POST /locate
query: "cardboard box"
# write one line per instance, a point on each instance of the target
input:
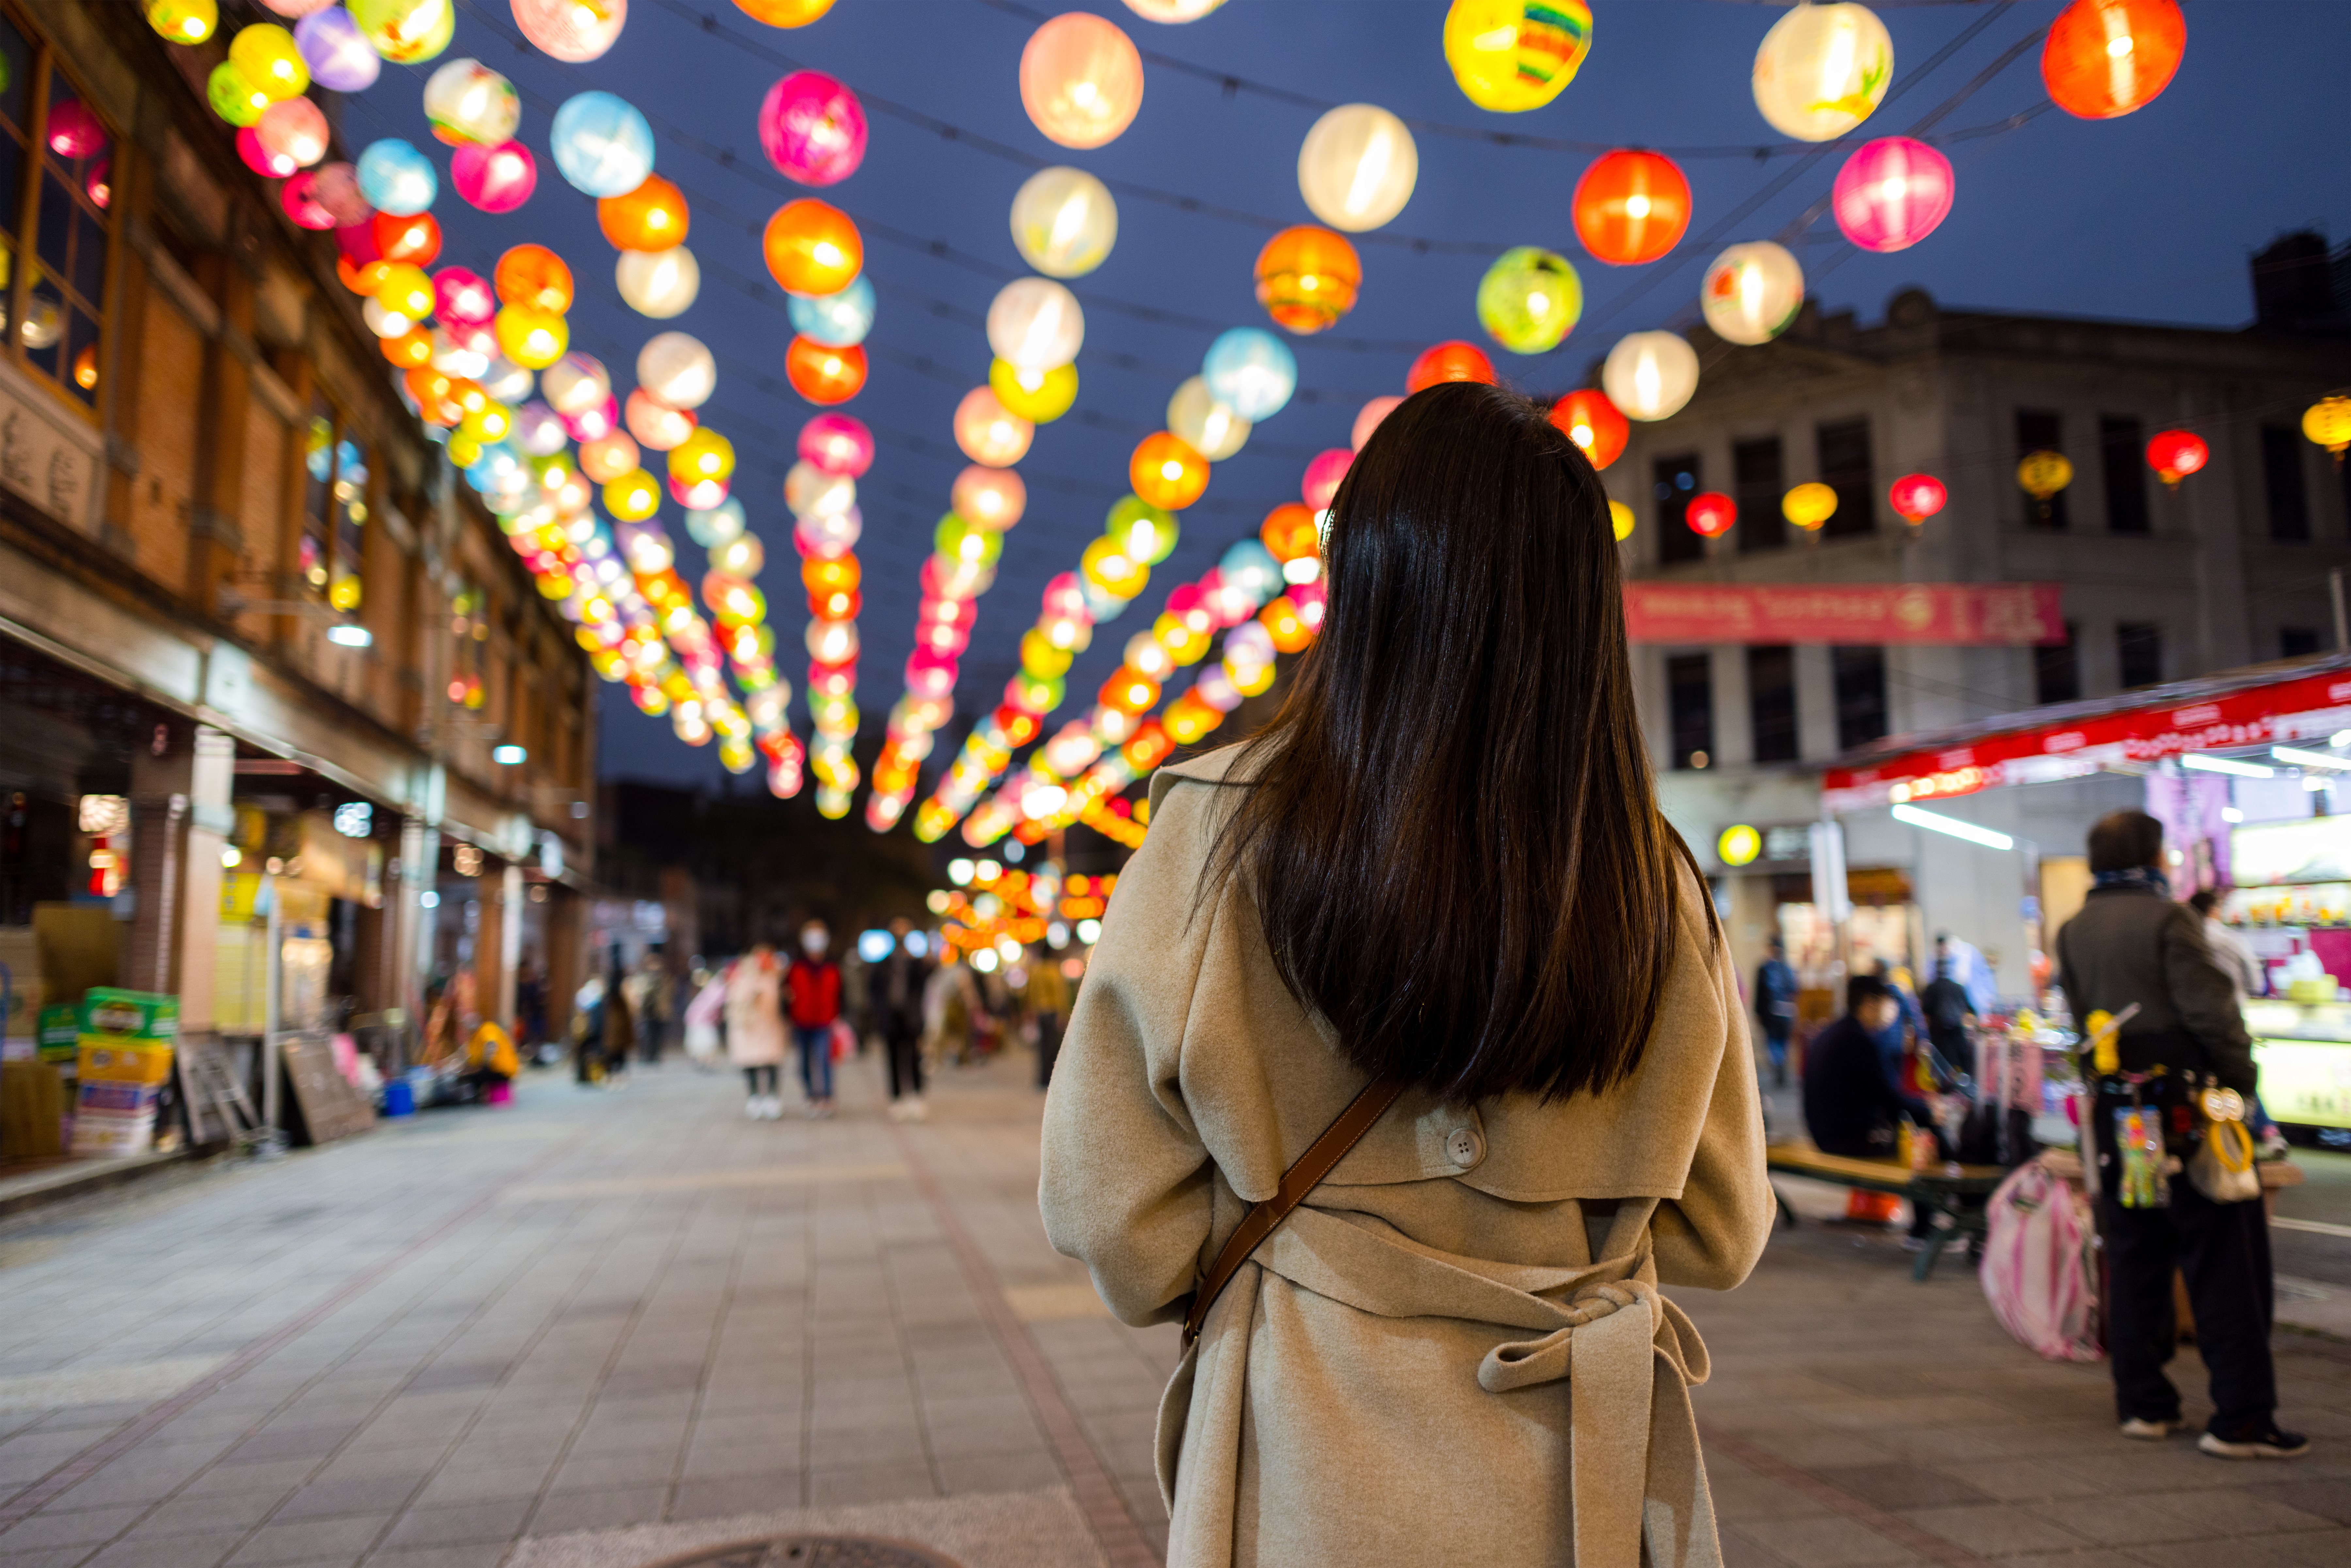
(130, 1015)
(109, 1059)
(59, 1038)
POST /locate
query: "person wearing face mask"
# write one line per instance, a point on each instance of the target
(813, 987)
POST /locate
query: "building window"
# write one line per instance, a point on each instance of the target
(2121, 442)
(2281, 482)
(334, 510)
(469, 630)
(1858, 677)
(57, 193)
(1843, 451)
(1772, 703)
(1677, 482)
(2057, 669)
(2138, 647)
(2038, 430)
(1758, 480)
(1689, 698)
(2297, 642)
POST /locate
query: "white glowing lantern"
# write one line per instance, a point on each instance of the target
(678, 368)
(1035, 325)
(1751, 293)
(1209, 427)
(1357, 167)
(812, 492)
(658, 283)
(1650, 375)
(1064, 221)
(575, 383)
(385, 322)
(1821, 70)
(831, 641)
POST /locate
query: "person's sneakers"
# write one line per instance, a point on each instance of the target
(2146, 1431)
(756, 1107)
(2267, 1444)
(916, 1111)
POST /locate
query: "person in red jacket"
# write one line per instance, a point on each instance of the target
(812, 990)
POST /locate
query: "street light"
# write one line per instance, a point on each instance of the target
(508, 755)
(1934, 822)
(344, 635)
(2302, 758)
(2203, 764)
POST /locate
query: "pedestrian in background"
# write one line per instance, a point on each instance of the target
(1432, 920)
(895, 990)
(755, 1029)
(1775, 1007)
(1047, 994)
(2229, 950)
(814, 987)
(704, 1016)
(1950, 1013)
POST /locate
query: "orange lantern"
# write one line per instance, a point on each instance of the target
(607, 458)
(534, 277)
(1130, 691)
(427, 385)
(1631, 206)
(1593, 422)
(784, 13)
(822, 373)
(1289, 531)
(415, 239)
(839, 574)
(1288, 628)
(651, 217)
(409, 350)
(1167, 472)
(2176, 454)
(362, 277)
(813, 248)
(2108, 57)
(1307, 278)
(1453, 361)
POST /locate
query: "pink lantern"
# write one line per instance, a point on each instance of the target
(930, 674)
(1323, 477)
(596, 421)
(606, 457)
(699, 495)
(463, 298)
(337, 186)
(294, 9)
(495, 179)
(654, 424)
(357, 242)
(991, 498)
(1368, 419)
(838, 444)
(73, 132)
(572, 30)
(1311, 599)
(300, 199)
(293, 127)
(813, 129)
(260, 159)
(1891, 193)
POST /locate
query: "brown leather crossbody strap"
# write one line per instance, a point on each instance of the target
(1368, 1104)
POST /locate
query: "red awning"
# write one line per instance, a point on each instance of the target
(2268, 703)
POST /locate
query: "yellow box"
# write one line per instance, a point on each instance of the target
(113, 1060)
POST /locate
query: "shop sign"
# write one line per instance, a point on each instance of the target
(1949, 614)
(52, 466)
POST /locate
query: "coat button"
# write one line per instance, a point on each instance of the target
(1464, 1147)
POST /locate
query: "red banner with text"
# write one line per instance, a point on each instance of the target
(2004, 614)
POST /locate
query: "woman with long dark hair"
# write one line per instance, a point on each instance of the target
(1412, 1060)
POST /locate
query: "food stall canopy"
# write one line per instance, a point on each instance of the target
(2282, 702)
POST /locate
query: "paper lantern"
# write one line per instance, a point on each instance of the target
(676, 367)
(2327, 423)
(1209, 427)
(2042, 475)
(655, 425)
(530, 338)
(337, 52)
(575, 383)
(1167, 472)
(991, 498)
(1917, 496)
(1146, 530)
(1081, 80)
(405, 289)
(2108, 57)
(1710, 514)
(1251, 372)
(1821, 70)
(1307, 278)
(263, 161)
(468, 101)
(406, 31)
(2176, 454)
(812, 248)
(1357, 166)
(1039, 399)
(1631, 206)
(813, 129)
(1596, 426)
(1449, 361)
(1034, 324)
(1323, 475)
(1172, 12)
(300, 201)
(1064, 221)
(837, 444)
(386, 323)
(1515, 55)
(602, 146)
(1530, 299)
(608, 457)
(1891, 193)
(989, 433)
(294, 131)
(415, 238)
(337, 186)
(784, 13)
(270, 58)
(1368, 418)
(1291, 532)
(494, 179)
(1751, 293)
(702, 457)
(658, 283)
(1650, 375)
(573, 30)
(184, 21)
(409, 349)
(591, 424)
(633, 497)
(1809, 505)
(396, 178)
(534, 275)
(837, 319)
(654, 216)
(1620, 520)
(825, 373)
(1106, 565)
(539, 430)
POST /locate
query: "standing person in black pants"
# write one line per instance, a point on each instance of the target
(2132, 944)
(895, 990)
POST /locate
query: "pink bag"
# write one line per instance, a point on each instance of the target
(844, 1041)
(2038, 1271)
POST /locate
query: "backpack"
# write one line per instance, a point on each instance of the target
(2038, 1272)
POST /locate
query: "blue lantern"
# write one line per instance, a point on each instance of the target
(836, 320)
(711, 527)
(1251, 372)
(1250, 567)
(602, 144)
(396, 178)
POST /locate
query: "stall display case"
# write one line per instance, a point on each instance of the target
(2305, 1056)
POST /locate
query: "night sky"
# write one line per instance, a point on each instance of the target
(2149, 218)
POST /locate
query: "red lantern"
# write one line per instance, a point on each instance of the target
(1917, 496)
(2176, 454)
(415, 238)
(1631, 206)
(1453, 361)
(822, 373)
(1710, 514)
(2108, 57)
(1593, 424)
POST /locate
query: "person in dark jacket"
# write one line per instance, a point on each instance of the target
(895, 992)
(1950, 1011)
(2132, 944)
(1776, 1008)
(1851, 1105)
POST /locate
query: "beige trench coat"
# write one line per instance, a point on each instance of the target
(1441, 1356)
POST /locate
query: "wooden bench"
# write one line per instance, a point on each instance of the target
(1962, 1192)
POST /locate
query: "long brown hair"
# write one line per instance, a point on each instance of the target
(1451, 835)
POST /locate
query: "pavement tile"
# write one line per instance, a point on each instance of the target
(1986, 1528)
(600, 1510)
(764, 1491)
(1828, 1542)
(1901, 1486)
(63, 1527)
(459, 1524)
(180, 1552)
(309, 1540)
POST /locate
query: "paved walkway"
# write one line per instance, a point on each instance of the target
(606, 1330)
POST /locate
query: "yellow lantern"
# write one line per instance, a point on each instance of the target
(269, 60)
(488, 422)
(1808, 505)
(531, 338)
(405, 290)
(2327, 423)
(1357, 167)
(1620, 519)
(1040, 397)
(1739, 846)
(2042, 475)
(1107, 565)
(704, 455)
(184, 21)
(1516, 55)
(1208, 426)
(1064, 221)
(1821, 70)
(633, 497)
